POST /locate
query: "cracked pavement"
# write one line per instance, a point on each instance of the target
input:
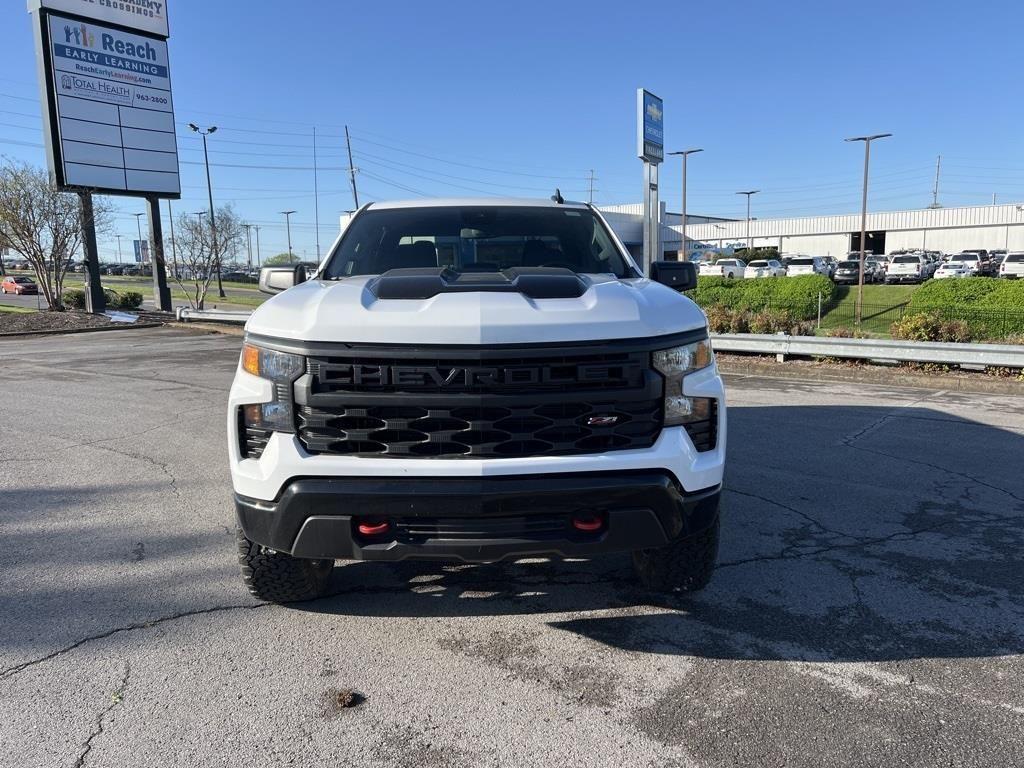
(868, 609)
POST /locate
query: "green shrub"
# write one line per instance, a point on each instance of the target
(798, 295)
(130, 300)
(989, 308)
(73, 298)
(930, 326)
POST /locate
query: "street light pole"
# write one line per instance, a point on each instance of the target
(258, 263)
(248, 240)
(864, 215)
(138, 223)
(288, 226)
(684, 154)
(118, 248)
(209, 191)
(750, 241)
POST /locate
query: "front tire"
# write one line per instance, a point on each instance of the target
(683, 565)
(278, 577)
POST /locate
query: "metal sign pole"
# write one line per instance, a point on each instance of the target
(94, 299)
(652, 223)
(161, 291)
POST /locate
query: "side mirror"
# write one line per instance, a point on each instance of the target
(277, 279)
(677, 275)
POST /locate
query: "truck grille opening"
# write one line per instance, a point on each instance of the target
(704, 434)
(251, 440)
(542, 402)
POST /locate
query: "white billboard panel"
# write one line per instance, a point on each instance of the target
(145, 15)
(114, 128)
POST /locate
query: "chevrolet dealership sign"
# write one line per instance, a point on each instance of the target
(148, 16)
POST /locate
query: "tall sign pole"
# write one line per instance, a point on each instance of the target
(650, 125)
(161, 291)
(95, 301)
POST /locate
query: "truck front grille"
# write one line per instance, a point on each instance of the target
(474, 404)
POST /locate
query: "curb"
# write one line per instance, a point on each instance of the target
(808, 371)
(225, 330)
(67, 331)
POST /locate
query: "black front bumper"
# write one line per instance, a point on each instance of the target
(476, 519)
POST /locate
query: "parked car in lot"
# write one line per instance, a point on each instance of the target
(952, 269)
(972, 261)
(730, 268)
(849, 272)
(832, 263)
(978, 258)
(879, 264)
(20, 286)
(1012, 266)
(907, 268)
(808, 265)
(765, 268)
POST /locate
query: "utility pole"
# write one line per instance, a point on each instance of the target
(935, 189)
(316, 203)
(257, 228)
(351, 168)
(118, 236)
(248, 240)
(209, 191)
(750, 241)
(591, 198)
(288, 225)
(684, 154)
(864, 215)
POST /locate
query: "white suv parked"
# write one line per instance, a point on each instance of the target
(1012, 266)
(907, 268)
(765, 268)
(808, 265)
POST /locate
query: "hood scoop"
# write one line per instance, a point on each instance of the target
(427, 282)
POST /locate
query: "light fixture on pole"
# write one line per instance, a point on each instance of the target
(750, 242)
(288, 225)
(864, 215)
(684, 154)
(209, 191)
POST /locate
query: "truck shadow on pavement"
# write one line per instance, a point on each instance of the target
(875, 534)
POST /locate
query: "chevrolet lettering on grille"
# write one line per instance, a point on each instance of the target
(435, 377)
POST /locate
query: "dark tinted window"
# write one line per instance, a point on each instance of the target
(1015, 258)
(907, 260)
(476, 239)
(801, 262)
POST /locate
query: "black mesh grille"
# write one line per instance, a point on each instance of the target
(533, 527)
(704, 434)
(545, 403)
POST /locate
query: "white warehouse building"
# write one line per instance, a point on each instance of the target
(949, 230)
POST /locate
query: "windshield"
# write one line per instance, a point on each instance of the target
(850, 264)
(967, 257)
(475, 239)
(907, 260)
(801, 262)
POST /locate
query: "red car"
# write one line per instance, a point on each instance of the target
(19, 286)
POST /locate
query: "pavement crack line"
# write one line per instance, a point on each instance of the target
(796, 512)
(17, 668)
(115, 699)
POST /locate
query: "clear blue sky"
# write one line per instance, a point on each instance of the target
(466, 98)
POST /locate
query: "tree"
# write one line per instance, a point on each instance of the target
(43, 224)
(196, 258)
(282, 259)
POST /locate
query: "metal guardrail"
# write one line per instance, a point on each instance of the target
(948, 353)
(187, 314)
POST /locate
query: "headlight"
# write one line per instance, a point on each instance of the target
(282, 369)
(675, 364)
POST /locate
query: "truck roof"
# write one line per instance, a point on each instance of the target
(476, 202)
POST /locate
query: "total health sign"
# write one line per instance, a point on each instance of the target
(109, 112)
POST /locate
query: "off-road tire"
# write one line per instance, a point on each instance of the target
(683, 565)
(278, 577)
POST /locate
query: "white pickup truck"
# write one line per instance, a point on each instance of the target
(476, 380)
(730, 268)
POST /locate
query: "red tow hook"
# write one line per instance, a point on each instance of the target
(587, 523)
(373, 529)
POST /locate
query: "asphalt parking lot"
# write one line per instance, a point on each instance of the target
(868, 608)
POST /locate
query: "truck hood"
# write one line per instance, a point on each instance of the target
(346, 311)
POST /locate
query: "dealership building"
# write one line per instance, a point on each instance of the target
(949, 230)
